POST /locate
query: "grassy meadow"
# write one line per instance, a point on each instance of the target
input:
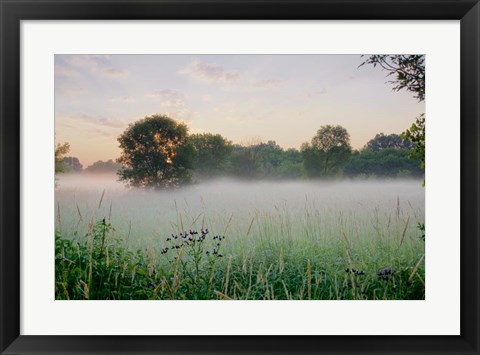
(225, 239)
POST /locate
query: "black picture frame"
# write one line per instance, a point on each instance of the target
(12, 12)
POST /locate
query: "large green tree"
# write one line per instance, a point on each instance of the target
(328, 151)
(211, 153)
(156, 153)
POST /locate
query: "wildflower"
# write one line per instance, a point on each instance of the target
(386, 271)
(385, 274)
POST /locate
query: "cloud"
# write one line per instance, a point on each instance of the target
(85, 119)
(209, 72)
(91, 62)
(97, 64)
(182, 113)
(173, 103)
(228, 107)
(314, 93)
(122, 99)
(101, 132)
(164, 94)
(71, 92)
(206, 98)
(268, 84)
(61, 71)
(115, 73)
(91, 126)
(168, 98)
(102, 121)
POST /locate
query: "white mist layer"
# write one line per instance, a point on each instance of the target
(242, 210)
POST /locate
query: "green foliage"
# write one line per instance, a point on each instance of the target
(291, 165)
(72, 164)
(156, 153)
(382, 141)
(245, 161)
(99, 267)
(60, 151)
(211, 154)
(276, 163)
(192, 266)
(195, 256)
(416, 135)
(408, 71)
(421, 228)
(103, 167)
(387, 162)
(265, 161)
(328, 152)
(409, 74)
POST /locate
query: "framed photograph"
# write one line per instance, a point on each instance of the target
(239, 177)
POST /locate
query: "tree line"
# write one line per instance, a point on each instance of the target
(158, 152)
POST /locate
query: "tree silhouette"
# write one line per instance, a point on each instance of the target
(328, 152)
(156, 153)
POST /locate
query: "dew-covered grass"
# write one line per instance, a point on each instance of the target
(278, 240)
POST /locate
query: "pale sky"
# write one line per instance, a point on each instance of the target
(285, 98)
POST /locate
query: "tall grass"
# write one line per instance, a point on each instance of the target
(247, 242)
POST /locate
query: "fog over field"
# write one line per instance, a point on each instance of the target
(232, 177)
(294, 209)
